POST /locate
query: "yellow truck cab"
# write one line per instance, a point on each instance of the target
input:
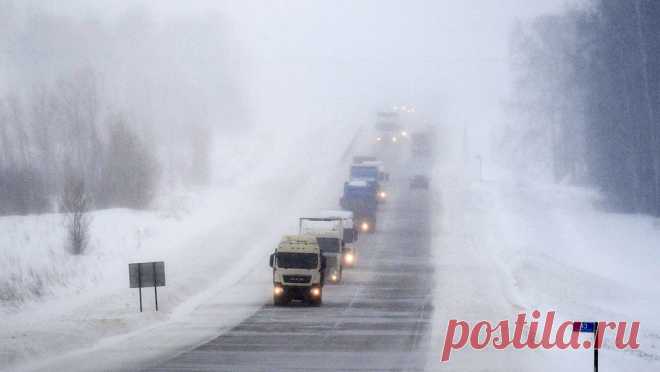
(298, 270)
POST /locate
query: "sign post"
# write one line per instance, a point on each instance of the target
(590, 327)
(139, 283)
(596, 346)
(147, 274)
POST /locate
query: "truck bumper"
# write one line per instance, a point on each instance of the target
(304, 293)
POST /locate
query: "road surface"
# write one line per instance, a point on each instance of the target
(377, 320)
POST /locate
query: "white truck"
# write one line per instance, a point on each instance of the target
(298, 270)
(349, 251)
(329, 233)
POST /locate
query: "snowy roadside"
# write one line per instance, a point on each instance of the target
(215, 262)
(504, 246)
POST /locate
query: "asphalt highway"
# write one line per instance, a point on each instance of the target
(378, 319)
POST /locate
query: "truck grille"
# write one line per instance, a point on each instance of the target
(297, 278)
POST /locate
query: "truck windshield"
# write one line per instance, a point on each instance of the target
(364, 172)
(287, 260)
(329, 245)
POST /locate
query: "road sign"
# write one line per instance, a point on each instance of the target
(147, 274)
(590, 327)
(584, 327)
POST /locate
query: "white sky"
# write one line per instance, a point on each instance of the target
(339, 57)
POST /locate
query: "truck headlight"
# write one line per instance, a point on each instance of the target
(278, 290)
(379, 139)
(349, 258)
(382, 194)
(394, 139)
(333, 277)
(315, 291)
(364, 226)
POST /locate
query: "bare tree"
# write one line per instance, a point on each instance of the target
(76, 204)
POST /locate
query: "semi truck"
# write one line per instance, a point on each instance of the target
(329, 234)
(372, 173)
(387, 128)
(298, 270)
(349, 251)
(372, 160)
(359, 198)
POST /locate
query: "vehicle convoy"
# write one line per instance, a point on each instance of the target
(349, 255)
(359, 198)
(329, 234)
(298, 270)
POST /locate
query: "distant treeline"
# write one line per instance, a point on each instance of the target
(121, 105)
(60, 134)
(587, 99)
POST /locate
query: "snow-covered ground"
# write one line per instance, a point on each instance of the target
(502, 246)
(60, 310)
(506, 246)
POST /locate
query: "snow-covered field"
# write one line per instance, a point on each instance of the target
(506, 246)
(59, 308)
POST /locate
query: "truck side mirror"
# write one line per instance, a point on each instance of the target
(272, 259)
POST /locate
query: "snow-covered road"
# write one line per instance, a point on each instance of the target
(377, 319)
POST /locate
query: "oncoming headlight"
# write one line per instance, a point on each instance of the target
(364, 226)
(278, 290)
(315, 291)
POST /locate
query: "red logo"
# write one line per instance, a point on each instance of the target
(484, 334)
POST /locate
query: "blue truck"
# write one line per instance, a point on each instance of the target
(359, 197)
(372, 173)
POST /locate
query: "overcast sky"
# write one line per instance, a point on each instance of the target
(339, 57)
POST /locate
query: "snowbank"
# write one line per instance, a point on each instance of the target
(505, 246)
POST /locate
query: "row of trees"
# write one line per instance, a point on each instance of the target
(587, 99)
(123, 102)
(102, 111)
(61, 133)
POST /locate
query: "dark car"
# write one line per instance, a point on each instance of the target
(419, 182)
